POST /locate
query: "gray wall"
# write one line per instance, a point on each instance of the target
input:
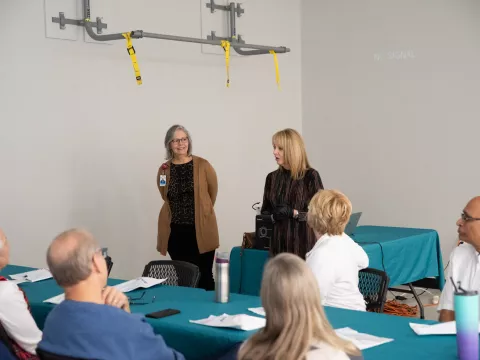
(80, 142)
(390, 99)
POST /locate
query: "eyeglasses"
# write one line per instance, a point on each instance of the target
(466, 217)
(178, 141)
(139, 300)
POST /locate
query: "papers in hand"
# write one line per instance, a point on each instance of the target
(32, 276)
(360, 340)
(141, 282)
(446, 328)
(240, 322)
(259, 311)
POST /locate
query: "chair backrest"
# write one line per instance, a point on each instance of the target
(109, 262)
(373, 285)
(5, 339)
(45, 355)
(177, 273)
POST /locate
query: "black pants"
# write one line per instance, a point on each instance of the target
(182, 246)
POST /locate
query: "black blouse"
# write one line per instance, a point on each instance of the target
(181, 194)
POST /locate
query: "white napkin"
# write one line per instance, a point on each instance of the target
(33, 276)
(361, 340)
(446, 328)
(240, 322)
(258, 311)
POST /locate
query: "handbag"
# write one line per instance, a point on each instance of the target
(248, 241)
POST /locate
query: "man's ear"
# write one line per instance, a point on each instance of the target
(97, 265)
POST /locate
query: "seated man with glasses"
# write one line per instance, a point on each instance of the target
(464, 259)
(94, 321)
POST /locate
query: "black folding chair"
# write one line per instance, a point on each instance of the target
(45, 355)
(177, 273)
(5, 339)
(109, 262)
(373, 285)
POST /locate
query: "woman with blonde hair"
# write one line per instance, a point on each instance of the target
(288, 191)
(335, 259)
(296, 328)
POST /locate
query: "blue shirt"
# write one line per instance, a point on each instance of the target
(93, 331)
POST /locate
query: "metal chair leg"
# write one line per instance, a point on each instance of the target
(420, 305)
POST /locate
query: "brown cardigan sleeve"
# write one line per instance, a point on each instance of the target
(212, 182)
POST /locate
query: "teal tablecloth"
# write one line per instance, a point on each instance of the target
(202, 342)
(408, 255)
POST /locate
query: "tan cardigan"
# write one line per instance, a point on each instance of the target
(205, 194)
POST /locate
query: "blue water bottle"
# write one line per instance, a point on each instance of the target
(466, 316)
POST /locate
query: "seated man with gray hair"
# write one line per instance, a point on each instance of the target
(94, 321)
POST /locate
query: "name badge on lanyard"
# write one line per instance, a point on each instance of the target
(163, 180)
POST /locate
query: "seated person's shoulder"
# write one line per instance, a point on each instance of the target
(7, 289)
(324, 351)
(463, 252)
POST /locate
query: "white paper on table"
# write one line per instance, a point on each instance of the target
(360, 340)
(141, 282)
(33, 276)
(446, 328)
(56, 299)
(258, 311)
(240, 322)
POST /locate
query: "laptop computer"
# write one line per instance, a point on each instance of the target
(352, 223)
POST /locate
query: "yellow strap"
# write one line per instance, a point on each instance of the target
(277, 72)
(133, 56)
(226, 46)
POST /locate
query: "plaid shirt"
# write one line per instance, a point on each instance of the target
(19, 352)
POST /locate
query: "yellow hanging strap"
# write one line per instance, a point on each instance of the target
(133, 56)
(277, 72)
(226, 46)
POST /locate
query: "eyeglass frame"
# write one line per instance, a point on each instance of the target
(133, 301)
(179, 141)
(465, 217)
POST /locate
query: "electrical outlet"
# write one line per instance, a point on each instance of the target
(53, 8)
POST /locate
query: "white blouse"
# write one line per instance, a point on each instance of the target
(16, 318)
(335, 261)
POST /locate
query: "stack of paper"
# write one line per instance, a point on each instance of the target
(240, 322)
(141, 282)
(56, 299)
(446, 328)
(360, 340)
(33, 276)
(258, 311)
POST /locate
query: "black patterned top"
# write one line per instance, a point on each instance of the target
(291, 235)
(181, 193)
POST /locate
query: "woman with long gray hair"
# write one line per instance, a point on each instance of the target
(187, 226)
(296, 328)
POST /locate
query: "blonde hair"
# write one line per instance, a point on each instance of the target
(329, 212)
(295, 155)
(294, 313)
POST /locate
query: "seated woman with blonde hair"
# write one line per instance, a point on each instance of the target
(296, 327)
(335, 258)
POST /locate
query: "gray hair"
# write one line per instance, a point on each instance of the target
(169, 137)
(70, 255)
